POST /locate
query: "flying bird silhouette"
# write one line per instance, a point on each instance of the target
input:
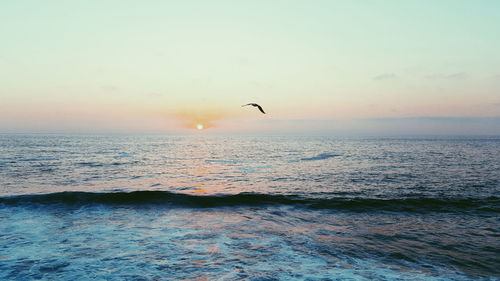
(255, 105)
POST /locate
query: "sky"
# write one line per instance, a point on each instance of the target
(413, 66)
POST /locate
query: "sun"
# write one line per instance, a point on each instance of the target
(199, 126)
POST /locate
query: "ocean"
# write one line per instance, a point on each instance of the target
(205, 207)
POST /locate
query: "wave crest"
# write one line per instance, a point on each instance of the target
(164, 198)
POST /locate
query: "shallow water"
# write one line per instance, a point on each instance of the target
(248, 208)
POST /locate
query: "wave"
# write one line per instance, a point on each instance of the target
(321, 156)
(460, 205)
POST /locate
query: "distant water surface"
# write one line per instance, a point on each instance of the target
(248, 208)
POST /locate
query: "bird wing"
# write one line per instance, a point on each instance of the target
(246, 104)
(260, 108)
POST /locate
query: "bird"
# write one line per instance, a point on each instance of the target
(256, 105)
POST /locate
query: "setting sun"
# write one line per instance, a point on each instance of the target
(199, 126)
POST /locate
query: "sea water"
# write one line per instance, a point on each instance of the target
(248, 208)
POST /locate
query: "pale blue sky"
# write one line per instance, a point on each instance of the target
(131, 64)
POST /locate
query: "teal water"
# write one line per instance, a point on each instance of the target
(248, 208)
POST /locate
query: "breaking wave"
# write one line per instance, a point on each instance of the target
(417, 205)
